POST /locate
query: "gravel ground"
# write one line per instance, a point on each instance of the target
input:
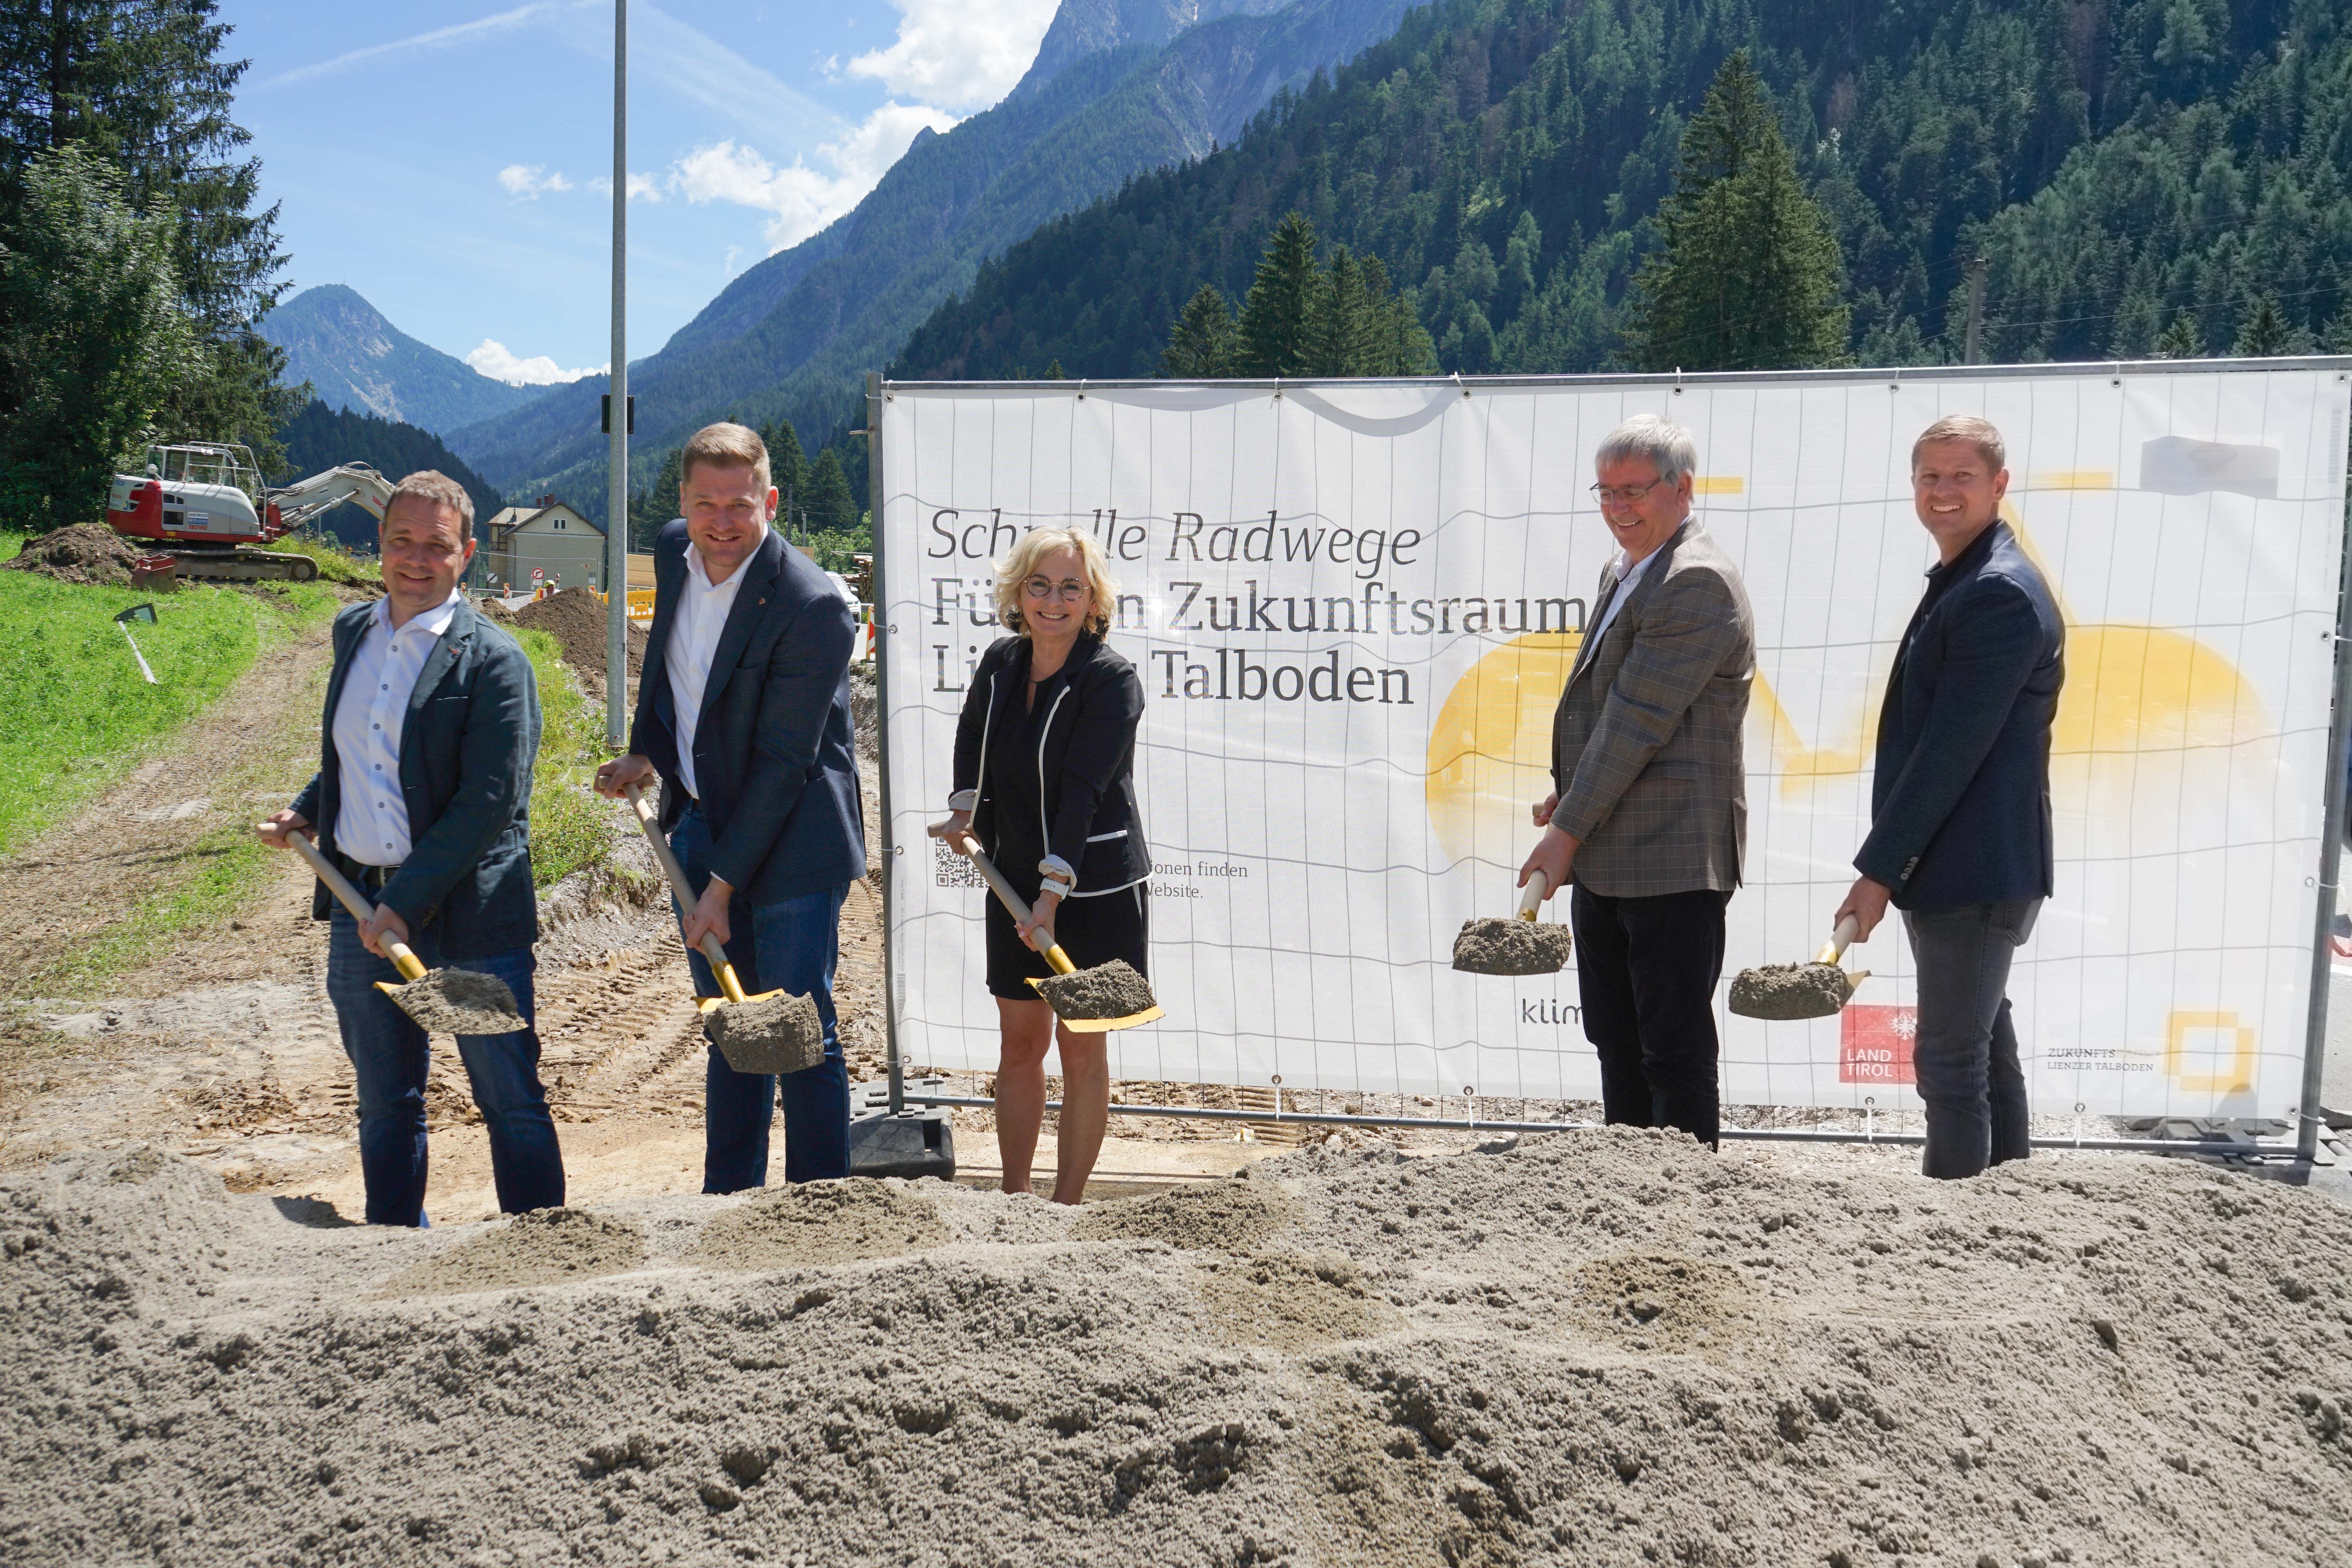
(1603, 1348)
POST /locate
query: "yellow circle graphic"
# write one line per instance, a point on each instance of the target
(1490, 749)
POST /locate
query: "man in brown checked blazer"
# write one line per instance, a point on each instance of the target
(1648, 814)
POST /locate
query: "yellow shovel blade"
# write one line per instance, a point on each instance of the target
(1099, 1026)
(709, 1004)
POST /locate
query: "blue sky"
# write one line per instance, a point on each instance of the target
(452, 160)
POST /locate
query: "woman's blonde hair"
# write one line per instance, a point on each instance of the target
(1021, 563)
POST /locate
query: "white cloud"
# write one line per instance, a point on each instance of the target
(642, 187)
(800, 199)
(498, 362)
(529, 181)
(959, 54)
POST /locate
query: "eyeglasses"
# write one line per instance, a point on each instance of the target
(1070, 589)
(1623, 495)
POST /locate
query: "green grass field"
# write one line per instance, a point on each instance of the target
(76, 715)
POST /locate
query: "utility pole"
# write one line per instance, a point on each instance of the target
(1973, 353)
(617, 409)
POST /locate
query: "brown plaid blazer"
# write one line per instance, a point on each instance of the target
(1646, 745)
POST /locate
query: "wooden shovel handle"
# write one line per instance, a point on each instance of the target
(1840, 940)
(970, 846)
(411, 967)
(675, 874)
(1531, 897)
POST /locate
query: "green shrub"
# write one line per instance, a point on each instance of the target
(570, 825)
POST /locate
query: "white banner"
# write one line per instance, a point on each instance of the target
(1353, 608)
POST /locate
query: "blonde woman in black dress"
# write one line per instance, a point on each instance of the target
(1044, 781)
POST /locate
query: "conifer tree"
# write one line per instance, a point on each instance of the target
(1276, 324)
(2337, 337)
(1343, 335)
(139, 85)
(830, 508)
(1401, 344)
(787, 464)
(1200, 344)
(2181, 340)
(1750, 273)
(653, 507)
(2264, 331)
(1053, 368)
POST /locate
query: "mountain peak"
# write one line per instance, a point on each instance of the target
(354, 358)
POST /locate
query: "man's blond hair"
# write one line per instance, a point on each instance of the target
(1977, 433)
(436, 488)
(728, 445)
(1021, 563)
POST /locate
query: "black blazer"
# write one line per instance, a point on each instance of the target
(1959, 806)
(771, 747)
(467, 748)
(1058, 778)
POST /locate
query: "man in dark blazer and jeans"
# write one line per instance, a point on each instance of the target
(743, 714)
(422, 798)
(1959, 804)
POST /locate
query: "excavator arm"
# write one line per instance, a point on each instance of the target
(293, 505)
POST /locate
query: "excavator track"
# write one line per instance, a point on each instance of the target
(242, 564)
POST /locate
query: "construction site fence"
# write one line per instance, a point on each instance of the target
(1352, 607)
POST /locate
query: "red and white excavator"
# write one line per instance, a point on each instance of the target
(205, 506)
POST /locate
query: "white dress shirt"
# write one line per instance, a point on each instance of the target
(693, 643)
(1628, 579)
(372, 826)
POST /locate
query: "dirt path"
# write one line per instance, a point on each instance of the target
(91, 871)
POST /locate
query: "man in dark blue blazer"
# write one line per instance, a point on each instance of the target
(422, 798)
(743, 714)
(1960, 834)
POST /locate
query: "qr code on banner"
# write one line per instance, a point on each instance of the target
(950, 870)
(1874, 1044)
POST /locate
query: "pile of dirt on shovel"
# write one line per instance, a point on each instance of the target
(1605, 1347)
(86, 553)
(575, 618)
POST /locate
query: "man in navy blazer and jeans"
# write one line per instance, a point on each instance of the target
(1960, 833)
(743, 714)
(422, 798)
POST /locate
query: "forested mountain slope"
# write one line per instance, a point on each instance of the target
(792, 338)
(2128, 169)
(320, 437)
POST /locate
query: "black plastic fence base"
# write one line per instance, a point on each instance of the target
(919, 1142)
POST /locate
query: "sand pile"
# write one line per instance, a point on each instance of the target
(86, 553)
(575, 618)
(1603, 1348)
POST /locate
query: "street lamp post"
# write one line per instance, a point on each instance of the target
(617, 506)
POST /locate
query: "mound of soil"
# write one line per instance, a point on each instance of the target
(820, 1222)
(546, 1246)
(1227, 1217)
(575, 618)
(1606, 1347)
(86, 553)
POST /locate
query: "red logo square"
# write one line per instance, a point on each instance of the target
(1874, 1044)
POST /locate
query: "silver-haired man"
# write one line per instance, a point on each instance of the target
(1648, 814)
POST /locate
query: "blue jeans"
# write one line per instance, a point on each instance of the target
(1965, 1055)
(390, 1055)
(792, 946)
